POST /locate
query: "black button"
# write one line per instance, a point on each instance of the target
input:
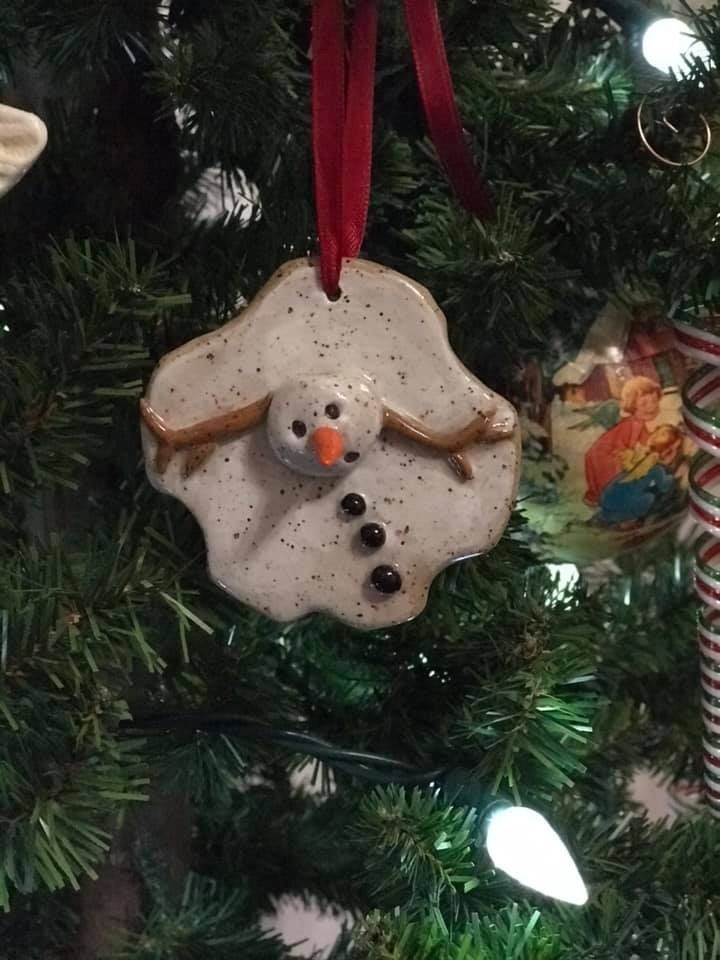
(372, 535)
(353, 504)
(386, 579)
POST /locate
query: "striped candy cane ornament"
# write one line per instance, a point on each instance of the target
(701, 412)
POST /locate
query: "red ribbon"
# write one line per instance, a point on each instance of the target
(342, 111)
(441, 112)
(342, 131)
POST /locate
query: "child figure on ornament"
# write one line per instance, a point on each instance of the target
(640, 400)
(646, 480)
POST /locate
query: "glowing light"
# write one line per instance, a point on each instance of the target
(522, 844)
(668, 44)
(566, 575)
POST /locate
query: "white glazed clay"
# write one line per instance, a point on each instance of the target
(23, 137)
(320, 376)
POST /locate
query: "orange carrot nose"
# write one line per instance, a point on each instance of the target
(328, 445)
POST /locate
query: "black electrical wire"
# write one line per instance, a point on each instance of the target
(372, 767)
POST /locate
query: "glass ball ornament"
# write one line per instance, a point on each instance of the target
(605, 454)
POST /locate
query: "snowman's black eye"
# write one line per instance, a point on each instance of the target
(332, 410)
(351, 457)
(299, 428)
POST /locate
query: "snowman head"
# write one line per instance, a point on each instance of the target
(323, 425)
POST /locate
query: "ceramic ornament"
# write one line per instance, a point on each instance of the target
(337, 455)
(23, 137)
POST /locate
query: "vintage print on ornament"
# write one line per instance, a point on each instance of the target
(605, 451)
(337, 455)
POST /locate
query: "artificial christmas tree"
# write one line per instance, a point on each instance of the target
(151, 725)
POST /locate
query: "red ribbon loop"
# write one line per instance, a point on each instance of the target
(342, 113)
(441, 112)
(342, 131)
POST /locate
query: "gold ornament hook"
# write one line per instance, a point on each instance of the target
(668, 161)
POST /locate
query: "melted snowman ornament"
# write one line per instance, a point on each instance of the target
(23, 137)
(337, 455)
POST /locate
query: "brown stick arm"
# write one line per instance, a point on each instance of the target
(454, 441)
(212, 430)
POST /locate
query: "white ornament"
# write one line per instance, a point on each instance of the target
(337, 455)
(23, 137)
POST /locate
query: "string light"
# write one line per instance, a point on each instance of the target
(521, 843)
(668, 45)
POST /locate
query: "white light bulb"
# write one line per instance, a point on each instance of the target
(668, 44)
(522, 843)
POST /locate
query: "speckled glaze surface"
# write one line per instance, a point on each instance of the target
(23, 137)
(278, 532)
